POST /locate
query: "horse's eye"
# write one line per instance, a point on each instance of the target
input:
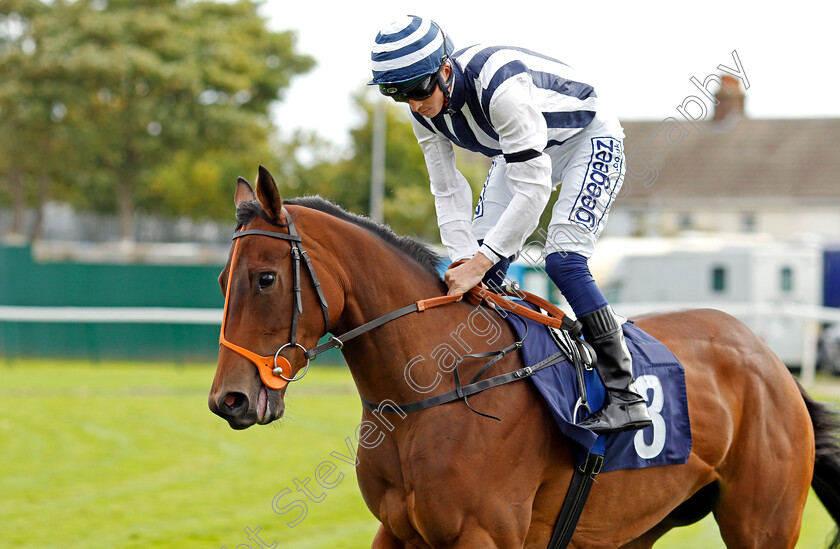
(266, 280)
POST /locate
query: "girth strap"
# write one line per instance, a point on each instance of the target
(466, 390)
(576, 497)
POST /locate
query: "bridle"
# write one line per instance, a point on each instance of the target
(276, 371)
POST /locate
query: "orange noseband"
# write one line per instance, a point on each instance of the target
(266, 365)
(276, 371)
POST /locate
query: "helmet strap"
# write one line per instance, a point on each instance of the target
(445, 86)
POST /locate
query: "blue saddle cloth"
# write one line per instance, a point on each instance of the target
(659, 376)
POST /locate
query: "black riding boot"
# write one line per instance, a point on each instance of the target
(624, 408)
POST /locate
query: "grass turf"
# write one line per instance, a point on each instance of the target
(129, 456)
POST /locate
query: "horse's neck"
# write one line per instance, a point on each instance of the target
(388, 284)
(402, 358)
(381, 280)
(412, 357)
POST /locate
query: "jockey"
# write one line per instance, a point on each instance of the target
(542, 125)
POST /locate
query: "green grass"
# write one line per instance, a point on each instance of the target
(128, 456)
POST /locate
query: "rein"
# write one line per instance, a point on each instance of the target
(559, 319)
(276, 371)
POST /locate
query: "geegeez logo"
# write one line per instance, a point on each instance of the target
(602, 172)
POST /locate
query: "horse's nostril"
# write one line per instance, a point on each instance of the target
(234, 402)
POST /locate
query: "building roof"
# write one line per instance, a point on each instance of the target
(794, 158)
(735, 157)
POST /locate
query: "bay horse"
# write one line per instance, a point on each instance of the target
(448, 477)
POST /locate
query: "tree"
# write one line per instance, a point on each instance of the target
(144, 89)
(29, 110)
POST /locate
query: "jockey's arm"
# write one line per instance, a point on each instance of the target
(452, 192)
(522, 135)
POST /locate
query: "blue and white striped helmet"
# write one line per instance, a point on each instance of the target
(408, 48)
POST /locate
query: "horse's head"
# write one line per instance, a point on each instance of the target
(274, 308)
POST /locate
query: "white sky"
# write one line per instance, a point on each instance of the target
(639, 55)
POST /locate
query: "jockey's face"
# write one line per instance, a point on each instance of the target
(432, 105)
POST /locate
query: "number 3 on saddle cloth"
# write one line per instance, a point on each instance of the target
(659, 377)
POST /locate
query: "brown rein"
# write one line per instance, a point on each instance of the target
(554, 318)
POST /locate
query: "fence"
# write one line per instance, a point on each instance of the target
(99, 310)
(183, 334)
(126, 333)
(96, 334)
(95, 310)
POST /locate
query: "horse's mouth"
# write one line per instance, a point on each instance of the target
(263, 407)
(242, 412)
(269, 405)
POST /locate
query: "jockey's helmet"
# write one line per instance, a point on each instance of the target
(407, 57)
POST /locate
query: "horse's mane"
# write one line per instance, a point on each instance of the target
(417, 251)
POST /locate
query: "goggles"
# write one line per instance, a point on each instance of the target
(417, 89)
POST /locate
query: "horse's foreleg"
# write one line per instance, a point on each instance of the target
(386, 540)
(479, 539)
(472, 539)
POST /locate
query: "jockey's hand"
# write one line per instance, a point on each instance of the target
(467, 275)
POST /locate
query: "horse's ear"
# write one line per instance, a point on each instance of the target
(244, 192)
(268, 195)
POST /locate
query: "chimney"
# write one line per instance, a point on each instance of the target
(730, 98)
